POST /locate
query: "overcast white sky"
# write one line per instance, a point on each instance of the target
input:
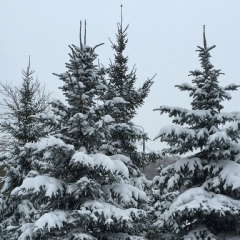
(163, 36)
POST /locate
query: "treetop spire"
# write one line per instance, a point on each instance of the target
(121, 17)
(29, 63)
(80, 35)
(28, 72)
(204, 38)
(85, 33)
(28, 67)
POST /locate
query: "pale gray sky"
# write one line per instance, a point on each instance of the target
(163, 36)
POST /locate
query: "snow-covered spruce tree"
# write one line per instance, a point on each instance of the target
(122, 101)
(19, 105)
(72, 191)
(18, 127)
(80, 122)
(198, 196)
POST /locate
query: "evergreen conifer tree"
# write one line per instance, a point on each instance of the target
(19, 127)
(73, 191)
(198, 196)
(21, 104)
(122, 101)
(80, 122)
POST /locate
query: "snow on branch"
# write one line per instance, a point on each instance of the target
(115, 100)
(195, 198)
(232, 87)
(121, 158)
(226, 173)
(187, 207)
(225, 116)
(82, 159)
(84, 187)
(218, 137)
(199, 113)
(99, 161)
(47, 143)
(52, 220)
(113, 166)
(27, 230)
(185, 86)
(108, 214)
(126, 193)
(173, 111)
(50, 185)
(177, 131)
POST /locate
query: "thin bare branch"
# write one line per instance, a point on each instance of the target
(97, 46)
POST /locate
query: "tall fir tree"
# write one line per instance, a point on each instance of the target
(198, 196)
(122, 100)
(73, 191)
